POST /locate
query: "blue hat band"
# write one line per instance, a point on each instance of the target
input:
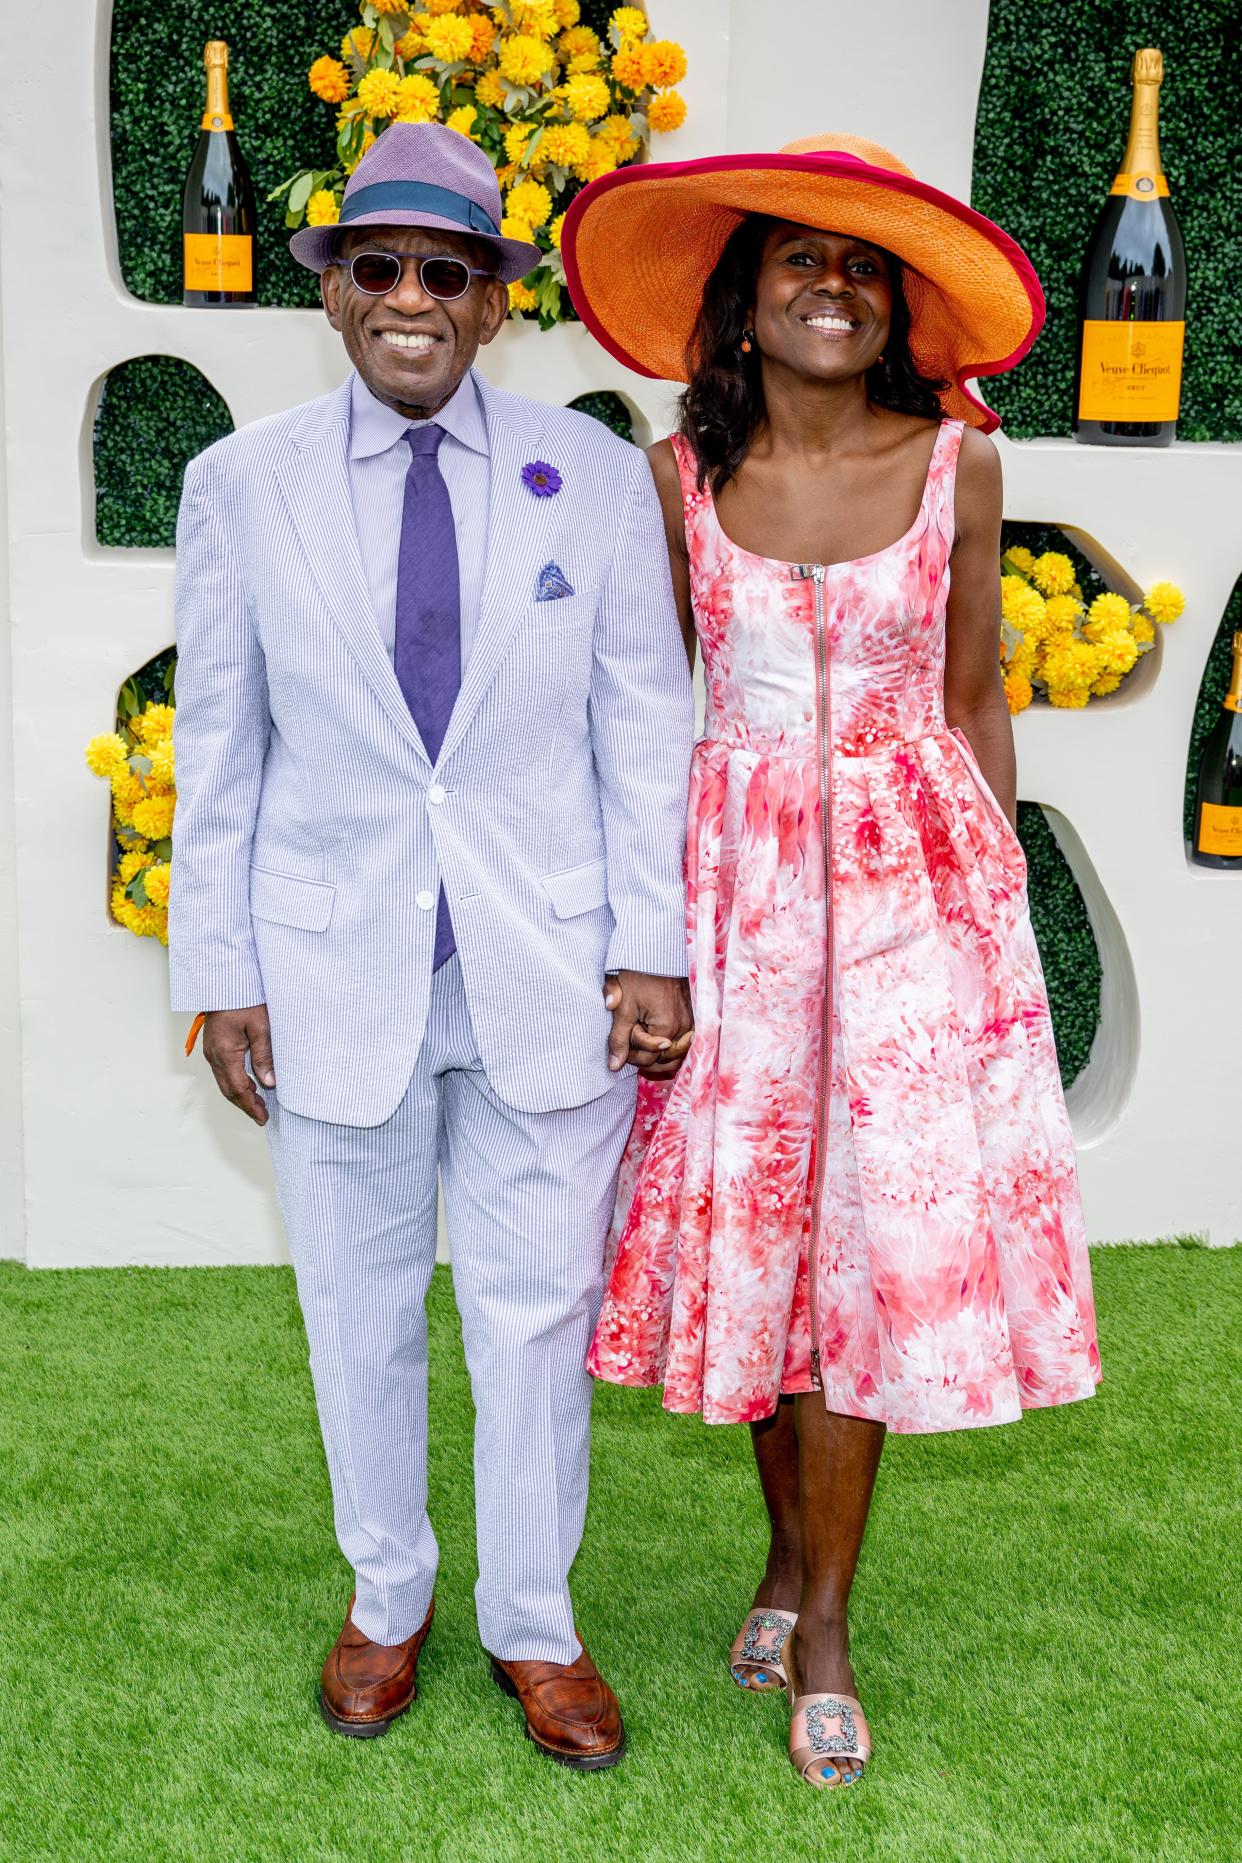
(418, 197)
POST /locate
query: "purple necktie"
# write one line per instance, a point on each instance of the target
(427, 641)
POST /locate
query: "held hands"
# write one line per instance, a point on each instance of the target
(228, 1035)
(652, 1023)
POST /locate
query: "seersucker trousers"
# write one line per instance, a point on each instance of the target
(528, 1198)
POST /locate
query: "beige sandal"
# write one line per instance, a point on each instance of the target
(825, 1730)
(757, 1651)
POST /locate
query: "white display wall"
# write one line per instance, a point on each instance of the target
(114, 1149)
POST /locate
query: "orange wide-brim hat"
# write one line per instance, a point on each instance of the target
(640, 244)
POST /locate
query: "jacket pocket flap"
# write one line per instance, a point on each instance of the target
(286, 899)
(577, 889)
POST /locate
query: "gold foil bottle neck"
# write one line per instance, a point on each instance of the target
(215, 52)
(1148, 66)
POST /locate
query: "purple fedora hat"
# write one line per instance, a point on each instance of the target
(422, 174)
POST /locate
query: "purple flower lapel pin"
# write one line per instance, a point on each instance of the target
(541, 478)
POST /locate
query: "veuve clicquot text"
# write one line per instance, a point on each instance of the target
(217, 215)
(1218, 798)
(1132, 298)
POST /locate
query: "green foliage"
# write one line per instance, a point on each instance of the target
(609, 408)
(1213, 689)
(1067, 947)
(1049, 135)
(154, 415)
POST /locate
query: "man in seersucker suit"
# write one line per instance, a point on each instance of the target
(433, 736)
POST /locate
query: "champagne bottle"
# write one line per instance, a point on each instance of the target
(1218, 799)
(217, 214)
(1132, 298)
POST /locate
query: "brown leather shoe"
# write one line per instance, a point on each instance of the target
(366, 1685)
(571, 1713)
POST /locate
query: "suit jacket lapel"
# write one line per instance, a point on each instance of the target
(314, 480)
(518, 524)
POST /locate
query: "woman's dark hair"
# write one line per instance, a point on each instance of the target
(723, 404)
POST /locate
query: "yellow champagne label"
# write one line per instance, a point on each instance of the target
(219, 261)
(1130, 371)
(1141, 187)
(1220, 830)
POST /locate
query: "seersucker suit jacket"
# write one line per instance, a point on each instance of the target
(312, 831)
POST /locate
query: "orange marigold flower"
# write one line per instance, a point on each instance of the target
(667, 111)
(329, 79)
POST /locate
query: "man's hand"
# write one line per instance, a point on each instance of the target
(652, 1022)
(228, 1036)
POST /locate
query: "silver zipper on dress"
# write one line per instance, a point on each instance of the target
(815, 572)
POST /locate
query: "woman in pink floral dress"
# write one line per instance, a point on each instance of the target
(854, 1207)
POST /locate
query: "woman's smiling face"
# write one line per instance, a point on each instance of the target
(823, 302)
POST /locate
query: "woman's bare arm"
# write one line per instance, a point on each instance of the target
(668, 485)
(974, 697)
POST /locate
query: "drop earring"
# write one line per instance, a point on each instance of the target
(748, 342)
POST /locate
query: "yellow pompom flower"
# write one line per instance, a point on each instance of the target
(1060, 614)
(1164, 602)
(1119, 652)
(630, 22)
(664, 63)
(418, 99)
(157, 882)
(379, 93)
(507, 172)
(531, 202)
(601, 160)
(163, 776)
(410, 45)
(537, 17)
(154, 722)
(436, 6)
(521, 297)
(449, 39)
(153, 816)
(108, 756)
(516, 138)
(667, 111)
(513, 227)
(360, 43)
(1143, 630)
(555, 231)
(1021, 605)
(628, 66)
(127, 793)
(322, 209)
(395, 6)
(1053, 573)
(568, 13)
(579, 50)
(1106, 613)
(482, 38)
(566, 144)
(586, 97)
(490, 90)
(615, 133)
(329, 79)
(1022, 658)
(1021, 558)
(131, 864)
(1018, 692)
(1069, 698)
(523, 59)
(462, 120)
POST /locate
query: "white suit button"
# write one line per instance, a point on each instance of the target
(436, 793)
(426, 901)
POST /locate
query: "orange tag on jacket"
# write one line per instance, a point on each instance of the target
(218, 261)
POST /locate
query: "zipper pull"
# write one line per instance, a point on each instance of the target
(808, 572)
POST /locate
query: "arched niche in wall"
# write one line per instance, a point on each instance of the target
(616, 411)
(1212, 689)
(1093, 564)
(153, 414)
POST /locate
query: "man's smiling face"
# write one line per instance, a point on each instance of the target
(411, 349)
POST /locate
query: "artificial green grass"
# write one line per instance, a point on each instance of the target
(1046, 1631)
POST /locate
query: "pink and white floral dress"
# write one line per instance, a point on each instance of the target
(891, 1215)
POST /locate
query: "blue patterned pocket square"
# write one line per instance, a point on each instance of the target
(552, 584)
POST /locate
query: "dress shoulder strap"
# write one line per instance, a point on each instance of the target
(938, 493)
(687, 463)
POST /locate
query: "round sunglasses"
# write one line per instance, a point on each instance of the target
(442, 277)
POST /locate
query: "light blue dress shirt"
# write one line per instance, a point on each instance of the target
(378, 462)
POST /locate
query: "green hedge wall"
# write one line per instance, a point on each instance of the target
(154, 415)
(1067, 947)
(1054, 108)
